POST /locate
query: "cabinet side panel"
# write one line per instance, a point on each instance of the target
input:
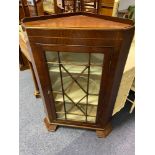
(116, 70)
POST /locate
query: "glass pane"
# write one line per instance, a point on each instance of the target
(95, 79)
(54, 73)
(52, 56)
(71, 88)
(91, 110)
(60, 115)
(82, 79)
(76, 117)
(74, 58)
(96, 71)
(73, 69)
(57, 96)
(74, 109)
(91, 119)
(59, 106)
(97, 59)
(75, 80)
(92, 100)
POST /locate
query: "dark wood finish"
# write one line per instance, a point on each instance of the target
(37, 8)
(111, 36)
(74, 124)
(24, 10)
(77, 22)
(50, 127)
(43, 81)
(27, 10)
(104, 133)
(107, 18)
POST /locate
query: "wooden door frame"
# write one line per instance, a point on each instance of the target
(49, 100)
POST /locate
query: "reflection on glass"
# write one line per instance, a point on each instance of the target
(74, 58)
(97, 59)
(60, 115)
(75, 80)
(76, 117)
(51, 58)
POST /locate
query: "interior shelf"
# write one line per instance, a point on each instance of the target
(94, 70)
(76, 109)
(92, 99)
(66, 58)
(76, 118)
(73, 113)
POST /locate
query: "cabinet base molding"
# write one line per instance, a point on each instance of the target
(104, 133)
(50, 127)
(101, 133)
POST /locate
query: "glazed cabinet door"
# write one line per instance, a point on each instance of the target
(77, 77)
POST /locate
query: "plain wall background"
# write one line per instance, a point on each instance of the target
(124, 4)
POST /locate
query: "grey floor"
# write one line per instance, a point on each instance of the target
(36, 140)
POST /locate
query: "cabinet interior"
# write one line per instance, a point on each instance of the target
(75, 80)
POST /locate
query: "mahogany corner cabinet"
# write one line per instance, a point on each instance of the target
(78, 59)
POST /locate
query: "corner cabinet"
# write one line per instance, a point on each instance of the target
(78, 59)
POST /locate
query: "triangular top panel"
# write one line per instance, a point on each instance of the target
(83, 21)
